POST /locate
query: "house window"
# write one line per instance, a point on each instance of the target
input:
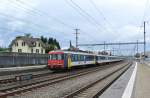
(35, 44)
(23, 43)
(31, 50)
(16, 44)
(39, 44)
(19, 50)
(37, 50)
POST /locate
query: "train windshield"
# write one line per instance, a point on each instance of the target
(56, 57)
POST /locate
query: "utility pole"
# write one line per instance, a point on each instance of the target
(113, 51)
(137, 46)
(77, 37)
(144, 40)
(104, 46)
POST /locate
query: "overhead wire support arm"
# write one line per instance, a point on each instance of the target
(126, 43)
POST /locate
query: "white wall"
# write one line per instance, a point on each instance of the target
(26, 48)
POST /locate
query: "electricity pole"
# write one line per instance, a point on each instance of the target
(104, 46)
(144, 40)
(77, 37)
(137, 46)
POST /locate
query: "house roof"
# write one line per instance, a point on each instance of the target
(28, 40)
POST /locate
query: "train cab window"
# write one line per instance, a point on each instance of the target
(54, 57)
(57, 57)
(50, 57)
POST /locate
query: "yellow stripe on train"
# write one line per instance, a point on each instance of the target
(69, 62)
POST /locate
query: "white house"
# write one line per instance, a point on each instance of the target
(24, 44)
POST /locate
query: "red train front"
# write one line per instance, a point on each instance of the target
(55, 60)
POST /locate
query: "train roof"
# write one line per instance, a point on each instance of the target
(73, 52)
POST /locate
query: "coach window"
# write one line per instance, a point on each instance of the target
(82, 58)
(76, 57)
(72, 57)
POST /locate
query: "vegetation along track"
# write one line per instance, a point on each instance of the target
(22, 88)
(97, 87)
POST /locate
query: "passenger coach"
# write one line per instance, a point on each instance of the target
(68, 59)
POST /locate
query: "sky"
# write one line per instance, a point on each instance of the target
(98, 21)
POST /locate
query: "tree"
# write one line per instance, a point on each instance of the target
(51, 44)
(44, 39)
(50, 41)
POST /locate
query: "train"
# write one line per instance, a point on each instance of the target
(68, 59)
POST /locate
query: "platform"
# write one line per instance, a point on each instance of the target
(134, 83)
(142, 83)
(22, 68)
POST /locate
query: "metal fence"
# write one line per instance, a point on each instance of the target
(10, 59)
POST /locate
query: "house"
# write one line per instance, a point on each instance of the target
(23, 44)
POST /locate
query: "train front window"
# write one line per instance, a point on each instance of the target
(57, 57)
(50, 56)
(60, 56)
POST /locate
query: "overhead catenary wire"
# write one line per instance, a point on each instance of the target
(45, 29)
(41, 12)
(38, 26)
(88, 15)
(37, 11)
(101, 14)
(8, 17)
(86, 18)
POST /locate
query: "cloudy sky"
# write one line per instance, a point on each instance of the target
(98, 20)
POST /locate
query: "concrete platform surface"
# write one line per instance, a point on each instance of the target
(142, 83)
(117, 89)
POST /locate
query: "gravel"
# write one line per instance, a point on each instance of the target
(62, 88)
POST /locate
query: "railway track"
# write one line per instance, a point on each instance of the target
(97, 87)
(23, 88)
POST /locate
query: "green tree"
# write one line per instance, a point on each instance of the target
(51, 44)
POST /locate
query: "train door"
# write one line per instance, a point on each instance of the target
(94, 59)
(65, 61)
(69, 61)
(79, 57)
(84, 59)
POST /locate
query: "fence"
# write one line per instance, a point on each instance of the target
(10, 59)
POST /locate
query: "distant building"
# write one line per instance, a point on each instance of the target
(23, 44)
